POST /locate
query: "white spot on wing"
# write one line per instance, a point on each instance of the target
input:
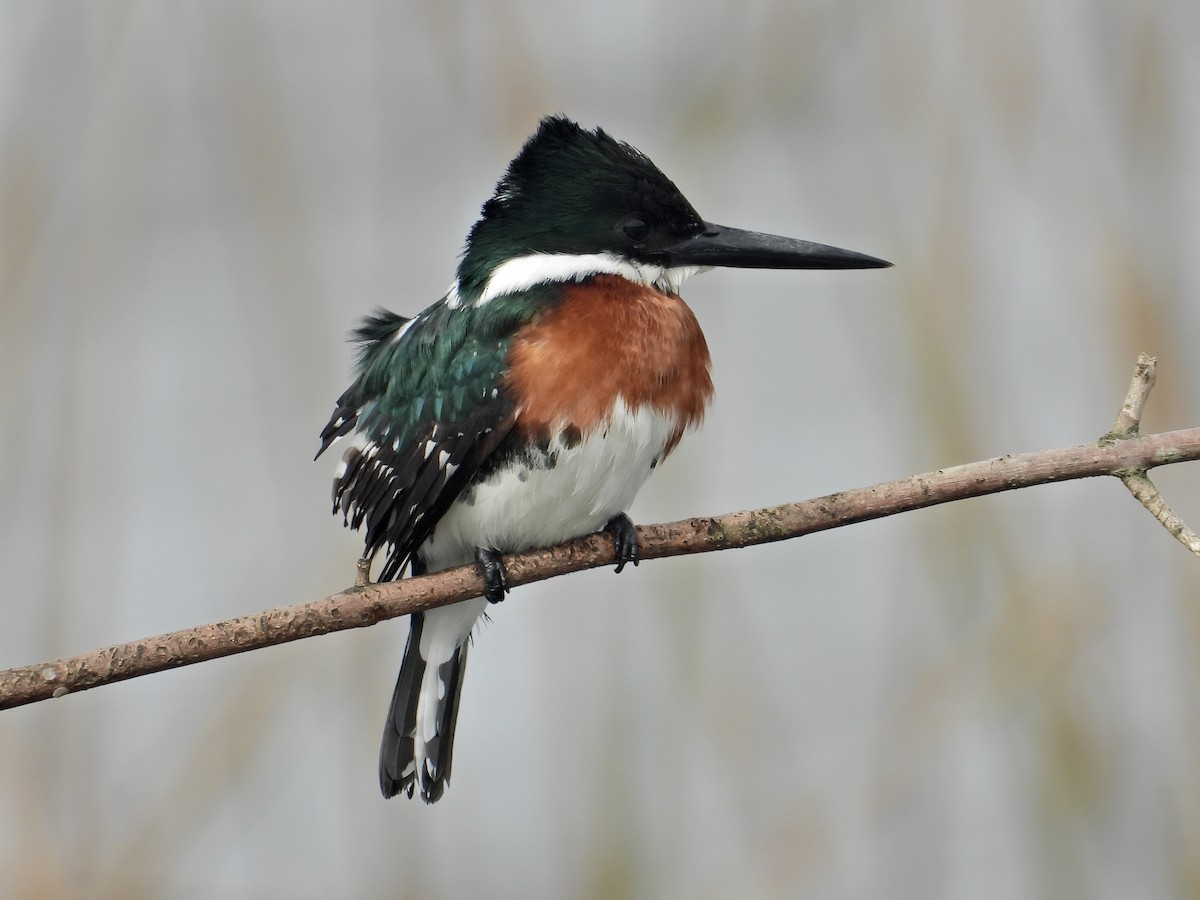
(341, 420)
(403, 329)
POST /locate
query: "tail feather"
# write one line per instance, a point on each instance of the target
(397, 755)
(439, 749)
(418, 737)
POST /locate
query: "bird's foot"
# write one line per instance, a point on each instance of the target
(625, 543)
(495, 579)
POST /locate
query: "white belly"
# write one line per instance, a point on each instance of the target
(528, 505)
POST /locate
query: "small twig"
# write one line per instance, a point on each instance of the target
(1129, 416)
(1127, 424)
(1149, 496)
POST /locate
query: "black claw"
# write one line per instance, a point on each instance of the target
(625, 543)
(495, 579)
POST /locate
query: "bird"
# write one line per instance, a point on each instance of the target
(530, 403)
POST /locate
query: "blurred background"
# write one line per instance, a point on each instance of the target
(993, 699)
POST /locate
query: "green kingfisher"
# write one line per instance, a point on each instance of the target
(530, 403)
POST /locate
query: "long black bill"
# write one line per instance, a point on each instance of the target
(718, 245)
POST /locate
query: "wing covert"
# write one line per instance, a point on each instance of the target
(426, 411)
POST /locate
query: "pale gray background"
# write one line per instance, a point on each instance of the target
(994, 699)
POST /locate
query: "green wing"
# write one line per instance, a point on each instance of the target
(427, 409)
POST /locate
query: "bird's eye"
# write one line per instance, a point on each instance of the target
(635, 229)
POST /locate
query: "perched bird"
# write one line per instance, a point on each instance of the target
(530, 403)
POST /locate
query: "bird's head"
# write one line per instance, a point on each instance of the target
(576, 202)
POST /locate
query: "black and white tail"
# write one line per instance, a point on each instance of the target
(418, 737)
(426, 693)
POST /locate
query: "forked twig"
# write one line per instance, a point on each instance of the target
(1127, 424)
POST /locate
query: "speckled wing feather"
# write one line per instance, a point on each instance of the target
(426, 411)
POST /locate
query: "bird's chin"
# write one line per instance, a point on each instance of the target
(670, 280)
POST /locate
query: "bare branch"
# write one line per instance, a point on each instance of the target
(359, 607)
(1121, 452)
(1127, 424)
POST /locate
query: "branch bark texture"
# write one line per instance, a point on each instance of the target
(1121, 453)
